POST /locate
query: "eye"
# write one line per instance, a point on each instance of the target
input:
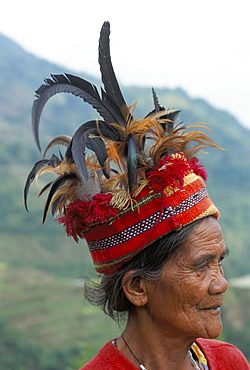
(210, 262)
(203, 266)
(220, 265)
(221, 260)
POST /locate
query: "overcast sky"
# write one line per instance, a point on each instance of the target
(200, 46)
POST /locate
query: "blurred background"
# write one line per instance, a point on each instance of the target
(196, 55)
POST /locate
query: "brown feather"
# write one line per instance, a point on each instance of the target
(59, 140)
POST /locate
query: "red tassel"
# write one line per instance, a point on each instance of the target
(74, 219)
(100, 208)
(198, 168)
(79, 214)
(172, 170)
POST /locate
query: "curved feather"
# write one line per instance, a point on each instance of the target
(131, 146)
(97, 145)
(31, 176)
(58, 140)
(107, 72)
(45, 188)
(55, 204)
(78, 87)
(108, 109)
(60, 181)
(82, 140)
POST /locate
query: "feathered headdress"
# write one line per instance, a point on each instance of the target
(123, 182)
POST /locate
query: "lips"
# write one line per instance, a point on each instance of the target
(212, 309)
(215, 309)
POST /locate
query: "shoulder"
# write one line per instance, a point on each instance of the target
(109, 358)
(101, 360)
(222, 353)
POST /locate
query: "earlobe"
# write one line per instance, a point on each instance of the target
(135, 289)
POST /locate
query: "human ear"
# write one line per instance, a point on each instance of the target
(135, 288)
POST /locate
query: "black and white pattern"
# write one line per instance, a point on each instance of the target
(148, 222)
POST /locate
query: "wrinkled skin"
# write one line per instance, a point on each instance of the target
(183, 305)
(186, 301)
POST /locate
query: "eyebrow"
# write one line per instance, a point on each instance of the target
(209, 256)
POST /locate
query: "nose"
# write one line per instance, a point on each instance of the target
(218, 284)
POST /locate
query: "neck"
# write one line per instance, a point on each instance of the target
(152, 349)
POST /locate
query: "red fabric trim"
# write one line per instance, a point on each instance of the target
(220, 356)
(109, 358)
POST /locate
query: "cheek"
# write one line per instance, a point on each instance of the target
(189, 291)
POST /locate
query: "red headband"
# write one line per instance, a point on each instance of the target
(121, 234)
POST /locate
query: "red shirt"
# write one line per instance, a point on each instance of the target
(220, 356)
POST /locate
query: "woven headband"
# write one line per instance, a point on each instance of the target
(123, 182)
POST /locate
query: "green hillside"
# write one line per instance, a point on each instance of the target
(42, 311)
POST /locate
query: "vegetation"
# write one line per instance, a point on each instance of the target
(45, 323)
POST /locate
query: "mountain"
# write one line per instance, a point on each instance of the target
(40, 256)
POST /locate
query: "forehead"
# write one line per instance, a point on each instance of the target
(206, 237)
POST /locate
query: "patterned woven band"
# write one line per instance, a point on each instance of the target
(152, 216)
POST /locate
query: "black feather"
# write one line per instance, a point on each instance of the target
(121, 117)
(60, 181)
(61, 156)
(131, 161)
(54, 161)
(157, 107)
(55, 203)
(80, 88)
(98, 146)
(156, 101)
(68, 153)
(81, 141)
(171, 117)
(46, 187)
(104, 105)
(107, 72)
(31, 176)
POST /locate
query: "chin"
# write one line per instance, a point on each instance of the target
(213, 332)
(212, 325)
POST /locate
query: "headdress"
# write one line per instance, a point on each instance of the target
(123, 182)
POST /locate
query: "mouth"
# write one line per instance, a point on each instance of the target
(212, 309)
